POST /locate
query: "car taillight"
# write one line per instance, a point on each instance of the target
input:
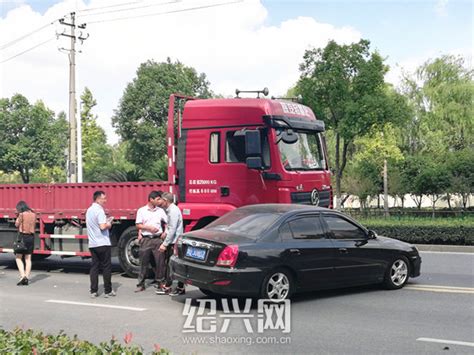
(175, 246)
(228, 256)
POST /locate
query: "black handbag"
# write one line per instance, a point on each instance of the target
(19, 246)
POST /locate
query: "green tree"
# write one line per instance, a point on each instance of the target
(96, 153)
(141, 117)
(30, 137)
(412, 167)
(370, 152)
(460, 167)
(344, 85)
(432, 181)
(441, 93)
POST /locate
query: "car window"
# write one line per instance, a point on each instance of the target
(302, 228)
(343, 229)
(244, 222)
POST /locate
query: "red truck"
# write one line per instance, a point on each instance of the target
(222, 154)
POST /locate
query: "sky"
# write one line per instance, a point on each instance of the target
(245, 44)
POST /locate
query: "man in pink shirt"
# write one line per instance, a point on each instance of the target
(151, 223)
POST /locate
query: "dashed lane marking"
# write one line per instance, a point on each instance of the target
(444, 341)
(100, 305)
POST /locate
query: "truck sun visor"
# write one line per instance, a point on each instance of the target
(296, 123)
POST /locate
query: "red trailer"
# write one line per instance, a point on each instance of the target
(222, 154)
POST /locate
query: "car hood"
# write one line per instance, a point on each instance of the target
(394, 243)
(218, 236)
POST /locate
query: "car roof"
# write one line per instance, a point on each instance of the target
(282, 208)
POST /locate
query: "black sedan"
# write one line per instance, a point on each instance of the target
(272, 251)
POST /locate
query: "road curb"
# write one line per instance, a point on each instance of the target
(446, 248)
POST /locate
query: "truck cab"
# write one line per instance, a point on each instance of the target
(236, 152)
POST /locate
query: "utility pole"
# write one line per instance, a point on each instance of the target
(72, 161)
(385, 188)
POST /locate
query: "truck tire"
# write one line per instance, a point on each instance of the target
(38, 257)
(128, 249)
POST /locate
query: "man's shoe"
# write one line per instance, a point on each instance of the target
(21, 281)
(163, 290)
(25, 281)
(110, 294)
(94, 295)
(140, 289)
(178, 292)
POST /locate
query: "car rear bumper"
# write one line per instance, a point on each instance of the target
(226, 281)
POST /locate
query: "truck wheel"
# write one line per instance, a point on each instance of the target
(128, 250)
(38, 257)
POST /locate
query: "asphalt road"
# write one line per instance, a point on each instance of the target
(433, 314)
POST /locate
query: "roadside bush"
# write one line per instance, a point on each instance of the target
(20, 341)
(425, 231)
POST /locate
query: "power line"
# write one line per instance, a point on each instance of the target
(109, 6)
(6, 45)
(28, 50)
(166, 12)
(132, 8)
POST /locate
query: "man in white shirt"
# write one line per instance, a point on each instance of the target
(175, 230)
(98, 226)
(151, 223)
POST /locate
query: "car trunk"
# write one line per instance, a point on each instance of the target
(204, 246)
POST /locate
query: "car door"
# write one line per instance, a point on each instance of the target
(358, 259)
(308, 251)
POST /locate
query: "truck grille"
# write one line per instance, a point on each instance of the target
(304, 198)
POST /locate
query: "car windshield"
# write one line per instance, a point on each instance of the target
(244, 222)
(304, 154)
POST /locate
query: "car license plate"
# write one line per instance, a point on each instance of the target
(196, 253)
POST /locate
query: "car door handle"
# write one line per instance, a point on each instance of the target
(295, 251)
(343, 250)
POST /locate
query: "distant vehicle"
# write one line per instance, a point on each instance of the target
(272, 251)
(222, 154)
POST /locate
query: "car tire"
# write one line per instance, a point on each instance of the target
(278, 285)
(397, 273)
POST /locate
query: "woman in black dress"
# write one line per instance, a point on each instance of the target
(25, 223)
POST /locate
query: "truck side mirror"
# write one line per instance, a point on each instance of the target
(254, 163)
(253, 144)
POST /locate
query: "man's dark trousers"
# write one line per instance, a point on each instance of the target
(149, 247)
(101, 259)
(164, 267)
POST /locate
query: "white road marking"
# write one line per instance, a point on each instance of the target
(136, 309)
(442, 289)
(444, 341)
(446, 252)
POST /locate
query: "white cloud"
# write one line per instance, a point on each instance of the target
(441, 7)
(409, 65)
(231, 44)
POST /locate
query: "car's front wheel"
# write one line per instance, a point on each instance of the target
(397, 273)
(277, 286)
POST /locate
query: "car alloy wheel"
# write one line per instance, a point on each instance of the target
(277, 286)
(399, 272)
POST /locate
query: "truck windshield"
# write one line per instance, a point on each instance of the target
(304, 154)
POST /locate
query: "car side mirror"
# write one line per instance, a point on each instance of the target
(371, 234)
(254, 163)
